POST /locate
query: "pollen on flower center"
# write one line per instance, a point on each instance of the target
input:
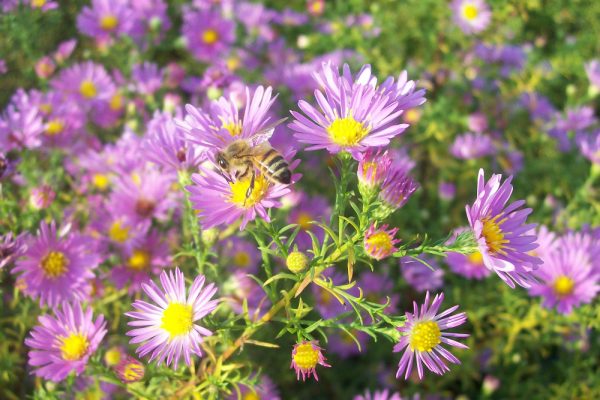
(251, 396)
(210, 36)
(88, 89)
(100, 181)
(139, 260)
(241, 259)
(177, 319)
(133, 372)
(38, 3)
(239, 190)
(116, 102)
(381, 241)
(73, 347)
(108, 22)
(306, 356)
(470, 12)
(494, 237)
(425, 335)
(54, 264)
(563, 286)
(54, 127)
(233, 128)
(118, 233)
(347, 131)
(304, 220)
(475, 258)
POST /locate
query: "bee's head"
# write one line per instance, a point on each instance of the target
(221, 161)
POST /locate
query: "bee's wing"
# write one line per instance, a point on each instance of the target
(264, 134)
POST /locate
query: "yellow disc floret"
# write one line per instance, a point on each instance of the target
(101, 181)
(306, 356)
(118, 232)
(108, 22)
(54, 264)
(381, 241)
(73, 347)
(241, 259)
(347, 131)
(233, 128)
(470, 12)
(304, 220)
(54, 127)
(210, 36)
(177, 319)
(475, 258)
(251, 396)
(239, 190)
(139, 260)
(563, 286)
(88, 89)
(494, 237)
(133, 372)
(424, 336)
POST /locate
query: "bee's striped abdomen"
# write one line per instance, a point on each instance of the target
(275, 167)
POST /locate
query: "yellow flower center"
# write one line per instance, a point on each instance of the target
(116, 102)
(38, 3)
(304, 220)
(233, 128)
(251, 396)
(73, 347)
(118, 232)
(241, 259)
(326, 297)
(425, 335)
(470, 12)
(108, 22)
(112, 356)
(139, 260)
(347, 131)
(380, 241)
(306, 356)
(177, 319)
(54, 127)
(494, 237)
(563, 286)
(233, 63)
(370, 165)
(46, 108)
(475, 258)
(210, 36)
(317, 7)
(412, 116)
(54, 264)
(88, 89)
(239, 190)
(133, 372)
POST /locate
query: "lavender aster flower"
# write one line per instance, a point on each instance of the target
(57, 268)
(589, 145)
(105, 18)
(592, 70)
(65, 342)
(378, 395)
(380, 242)
(419, 275)
(424, 334)
(85, 83)
(472, 145)
(470, 266)
(307, 210)
(20, 128)
(208, 34)
(11, 247)
(501, 231)
(146, 78)
(471, 16)
(166, 328)
(265, 389)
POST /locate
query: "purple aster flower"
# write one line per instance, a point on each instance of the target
(471, 16)
(592, 69)
(325, 303)
(354, 116)
(241, 254)
(105, 19)
(447, 190)
(64, 50)
(166, 147)
(146, 78)
(589, 145)
(539, 106)
(378, 395)
(166, 328)
(41, 197)
(380, 242)
(57, 268)
(85, 83)
(501, 231)
(397, 187)
(143, 257)
(43, 5)
(44, 67)
(478, 122)
(377, 288)
(309, 209)
(221, 202)
(130, 370)
(151, 20)
(20, 128)
(289, 17)
(265, 389)
(243, 289)
(567, 278)
(65, 342)
(420, 275)
(305, 357)
(3, 67)
(208, 34)
(472, 145)
(576, 120)
(470, 266)
(342, 344)
(11, 247)
(424, 334)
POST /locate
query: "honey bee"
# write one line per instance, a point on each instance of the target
(241, 158)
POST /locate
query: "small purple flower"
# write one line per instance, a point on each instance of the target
(539, 107)
(41, 197)
(151, 21)
(378, 395)
(447, 190)
(478, 122)
(419, 275)
(501, 231)
(166, 327)
(592, 69)
(344, 346)
(208, 34)
(589, 145)
(57, 268)
(20, 128)
(3, 67)
(241, 254)
(265, 389)
(424, 334)
(471, 146)
(11, 248)
(105, 19)
(309, 209)
(65, 342)
(43, 5)
(305, 357)
(244, 289)
(146, 78)
(470, 266)
(380, 242)
(471, 16)
(567, 278)
(85, 83)
(64, 50)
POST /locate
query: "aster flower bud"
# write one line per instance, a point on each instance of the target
(130, 370)
(297, 261)
(305, 357)
(380, 242)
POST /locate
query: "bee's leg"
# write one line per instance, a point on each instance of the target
(250, 188)
(224, 175)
